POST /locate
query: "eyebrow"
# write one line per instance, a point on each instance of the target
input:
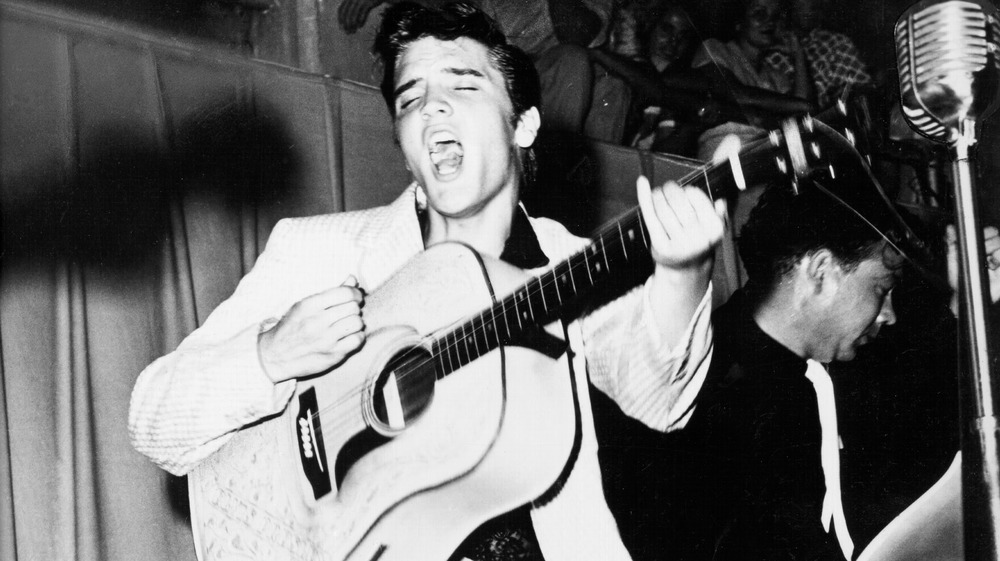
(450, 70)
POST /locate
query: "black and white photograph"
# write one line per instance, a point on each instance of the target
(499, 280)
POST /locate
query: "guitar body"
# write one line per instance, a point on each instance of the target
(930, 529)
(495, 434)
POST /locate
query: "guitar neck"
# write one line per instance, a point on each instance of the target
(622, 245)
(619, 252)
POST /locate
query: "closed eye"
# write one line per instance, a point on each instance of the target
(405, 103)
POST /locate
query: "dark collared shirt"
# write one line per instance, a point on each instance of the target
(744, 479)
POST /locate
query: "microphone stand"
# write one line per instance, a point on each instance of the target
(977, 386)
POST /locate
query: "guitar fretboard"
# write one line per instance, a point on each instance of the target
(622, 245)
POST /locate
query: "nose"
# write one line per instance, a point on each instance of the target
(435, 103)
(887, 315)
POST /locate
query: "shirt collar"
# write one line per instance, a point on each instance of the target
(521, 248)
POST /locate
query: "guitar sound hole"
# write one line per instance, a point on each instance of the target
(404, 389)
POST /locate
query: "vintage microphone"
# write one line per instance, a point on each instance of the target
(948, 71)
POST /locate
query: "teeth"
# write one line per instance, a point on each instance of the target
(446, 155)
(442, 145)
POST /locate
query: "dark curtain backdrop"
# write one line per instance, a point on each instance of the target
(139, 179)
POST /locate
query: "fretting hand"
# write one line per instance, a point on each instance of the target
(316, 334)
(991, 243)
(684, 227)
(684, 224)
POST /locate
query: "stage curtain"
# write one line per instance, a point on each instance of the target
(139, 179)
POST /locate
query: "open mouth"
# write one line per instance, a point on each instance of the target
(446, 153)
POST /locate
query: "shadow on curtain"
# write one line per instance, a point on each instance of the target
(139, 180)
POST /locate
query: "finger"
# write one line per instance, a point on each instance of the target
(992, 249)
(950, 234)
(336, 296)
(657, 237)
(991, 237)
(727, 149)
(709, 220)
(992, 244)
(677, 216)
(349, 344)
(333, 314)
(722, 211)
(346, 326)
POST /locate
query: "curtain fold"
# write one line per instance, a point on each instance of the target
(8, 541)
(74, 498)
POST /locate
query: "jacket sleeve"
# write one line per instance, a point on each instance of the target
(628, 360)
(187, 404)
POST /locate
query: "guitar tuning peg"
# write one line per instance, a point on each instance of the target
(833, 173)
(807, 123)
(782, 165)
(814, 148)
(775, 138)
(849, 134)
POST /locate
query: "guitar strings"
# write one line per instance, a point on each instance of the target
(700, 171)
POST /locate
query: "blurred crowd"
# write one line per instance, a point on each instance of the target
(676, 76)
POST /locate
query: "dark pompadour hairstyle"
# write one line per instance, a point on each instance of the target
(783, 227)
(407, 22)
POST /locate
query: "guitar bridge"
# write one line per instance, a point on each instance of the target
(309, 440)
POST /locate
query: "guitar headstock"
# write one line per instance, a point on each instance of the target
(803, 147)
(798, 150)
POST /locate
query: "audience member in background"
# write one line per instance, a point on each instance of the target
(742, 61)
(577, 96)
(650, 47)
(833, 61)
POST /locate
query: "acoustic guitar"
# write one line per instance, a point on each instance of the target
(460, 406)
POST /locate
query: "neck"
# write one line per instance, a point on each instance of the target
(782, 318)
(485, 229)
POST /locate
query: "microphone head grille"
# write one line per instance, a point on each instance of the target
(946, 53)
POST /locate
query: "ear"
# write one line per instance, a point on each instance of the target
(526, 129)
(821, 267)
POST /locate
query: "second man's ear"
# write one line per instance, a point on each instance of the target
(526, 129)
(820, 265)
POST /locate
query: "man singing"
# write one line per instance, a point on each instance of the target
(464, 106)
